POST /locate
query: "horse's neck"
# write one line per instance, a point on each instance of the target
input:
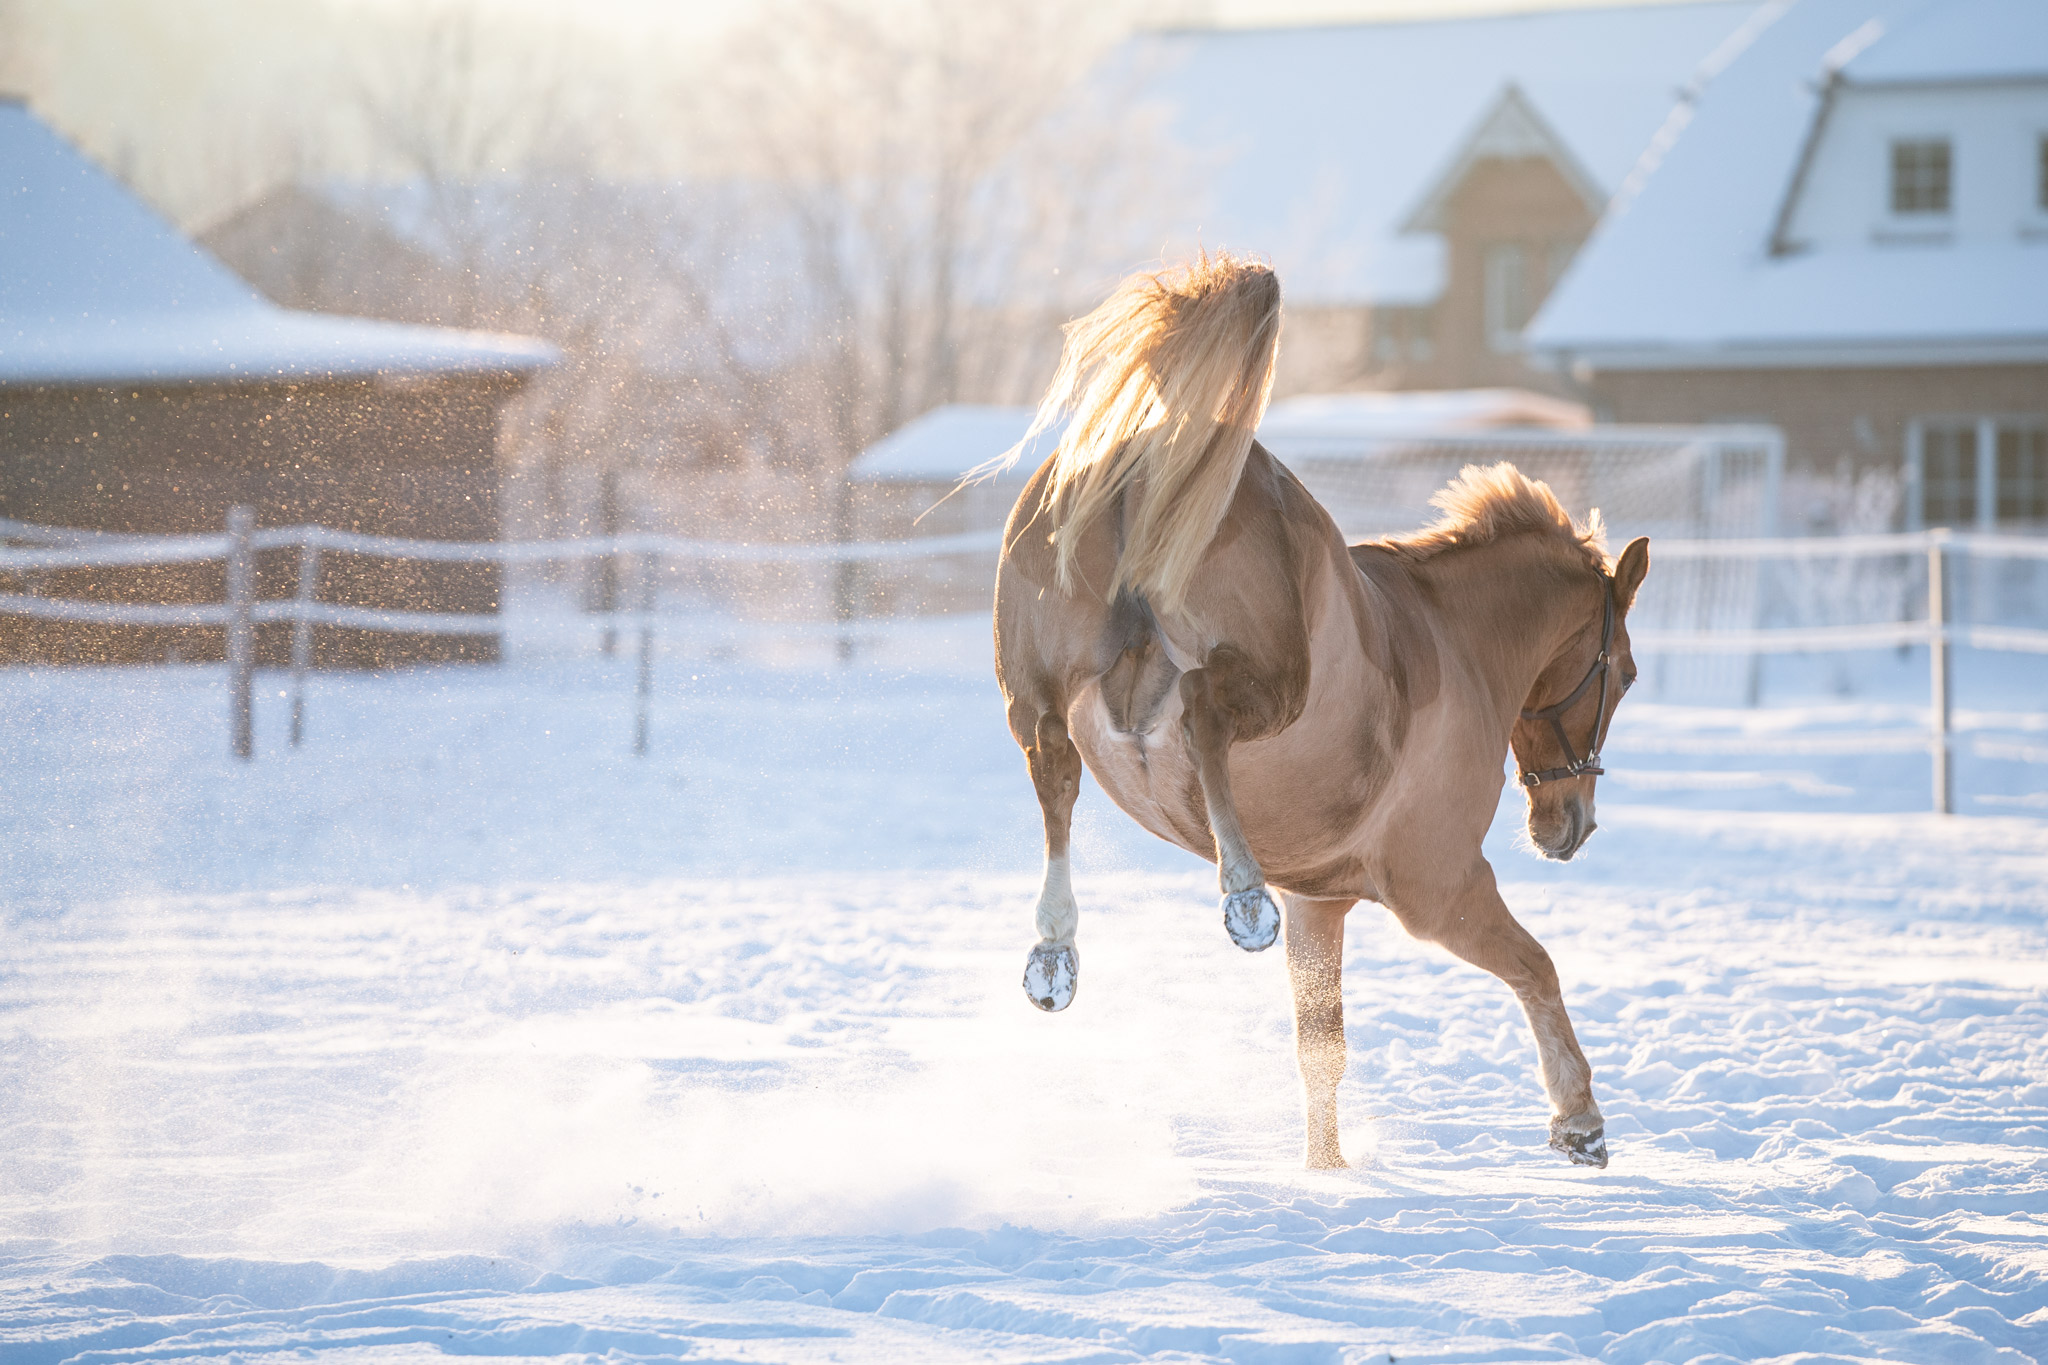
(1499, 608)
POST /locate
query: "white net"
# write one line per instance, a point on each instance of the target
(1684, 483)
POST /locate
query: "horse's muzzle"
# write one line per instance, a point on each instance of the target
(1578, 827)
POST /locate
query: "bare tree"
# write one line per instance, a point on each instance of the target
(459, 108)
(22, 60)
(886, 210)
(941, 180)
(486, 131)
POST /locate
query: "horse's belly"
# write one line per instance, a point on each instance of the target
(1151, 777)
(1301, 821)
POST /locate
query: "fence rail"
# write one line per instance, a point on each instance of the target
(55, 549)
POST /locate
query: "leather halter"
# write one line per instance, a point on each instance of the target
(1589, 766)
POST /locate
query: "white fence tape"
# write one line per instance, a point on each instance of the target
(373, 618)
(122, 551)
(1805, 746)
(2013, 639)
(113, 613)
(55, 549)
(1854, 547)
(168, 550)
(1792, 640)
(664, 547)
(68, 549)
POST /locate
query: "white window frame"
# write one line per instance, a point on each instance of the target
(1987, 463)
(2033, 224)
(1505, 290)
(1947, 212)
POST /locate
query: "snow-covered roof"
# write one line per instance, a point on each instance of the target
(949, 441)
(1683, 272)
(96, 288)
(1958, 40)
(1345, 423)
(1321, 141)
(1511, 130)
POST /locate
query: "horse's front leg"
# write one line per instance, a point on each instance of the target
(1249, 914)
(1315, 969)
(1474, 923)
(1053, 969)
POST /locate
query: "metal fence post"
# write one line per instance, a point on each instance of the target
(608, 566)
(650, 568)
(843, 570)
(241, 576)
(302, 635)
(1940, 691)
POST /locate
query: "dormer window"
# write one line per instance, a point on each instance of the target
(1506, 297)
(1921, 175)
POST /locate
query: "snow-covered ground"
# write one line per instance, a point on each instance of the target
(462, 1031)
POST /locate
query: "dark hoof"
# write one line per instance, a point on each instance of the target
(1252, 919)
(1050, 975)
(1581, 1149)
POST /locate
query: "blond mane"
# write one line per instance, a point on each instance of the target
(1487, 502)
(1164, 383)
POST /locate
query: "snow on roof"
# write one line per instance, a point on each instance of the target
(1326, 138)
(1511, 130)
(1681, 274)
(1316, 421)
(949, 441)
(96, 288)
(1969, 40)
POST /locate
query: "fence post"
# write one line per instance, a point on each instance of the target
(608, 566)
(650, 569)
(1940, 692)
(241, 575)
(302, 635)
(843, 570)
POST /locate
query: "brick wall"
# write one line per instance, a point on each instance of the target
(1832, 419)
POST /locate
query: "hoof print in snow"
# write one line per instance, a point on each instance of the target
(1252, 919)
(1049, 976)
(1581, 1149)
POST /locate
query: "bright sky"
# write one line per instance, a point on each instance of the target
(202, 102)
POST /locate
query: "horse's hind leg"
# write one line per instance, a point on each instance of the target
(1474, 923)
(1315, 969)
(1249, 914)
(1053, 968)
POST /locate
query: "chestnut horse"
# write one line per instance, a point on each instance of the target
(1174, 611)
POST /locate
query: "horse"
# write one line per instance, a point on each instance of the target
(1330, 722)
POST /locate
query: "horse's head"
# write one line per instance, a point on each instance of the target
(1564, 719)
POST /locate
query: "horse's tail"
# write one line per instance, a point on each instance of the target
(1165, 383)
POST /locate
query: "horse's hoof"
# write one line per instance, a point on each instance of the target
(1252, 919)
(1049, 976)
(1581, 1149)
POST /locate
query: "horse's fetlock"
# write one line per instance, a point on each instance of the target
(1241, 874)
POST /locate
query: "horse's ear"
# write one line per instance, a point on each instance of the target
(1629, 571)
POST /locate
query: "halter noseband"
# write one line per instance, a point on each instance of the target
(1589, 766)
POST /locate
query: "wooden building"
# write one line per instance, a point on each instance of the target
(1420, 186)
(1847, 237)
(144, 388)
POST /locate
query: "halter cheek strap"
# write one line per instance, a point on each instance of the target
(1589, 766)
